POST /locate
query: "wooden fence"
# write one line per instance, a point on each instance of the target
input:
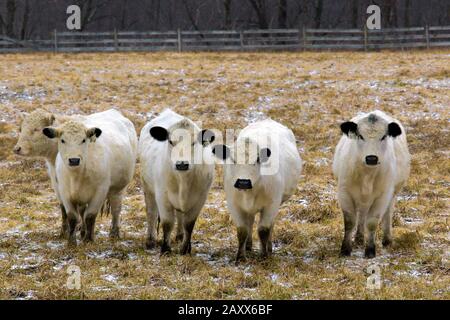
(248, 40)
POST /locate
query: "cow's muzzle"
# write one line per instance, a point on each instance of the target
(372, 160)
(74, 162)
(243, 184)
(182, 165)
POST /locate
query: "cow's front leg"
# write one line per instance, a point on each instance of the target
(64, 234)
(349, 213)
(387, 223)
(91, 212)
(265, 227)
(116, 206)
(72, 222)
(167, 216)
(378, 208)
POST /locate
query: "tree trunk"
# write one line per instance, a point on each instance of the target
(227, 7)
(282, 14)
(260, 8)
(318, 14)
(355, 14)
(10, 17)
(26, 17)
(407, 13)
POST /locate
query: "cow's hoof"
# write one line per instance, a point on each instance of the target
(387, 242)
(165, 249)
(150, 244)
(346, 250)
(240, 258)
(185, 249)
(369, 253)
(114, 234)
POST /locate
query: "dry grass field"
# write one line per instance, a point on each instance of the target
(312, 93)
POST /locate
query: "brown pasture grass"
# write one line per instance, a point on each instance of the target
(310, 93)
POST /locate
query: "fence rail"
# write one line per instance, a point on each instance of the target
(247, 40)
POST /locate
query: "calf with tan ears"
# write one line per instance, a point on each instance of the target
(33, 143)
(177, 170)
(261, 172)
(371, 164)
(96, 161)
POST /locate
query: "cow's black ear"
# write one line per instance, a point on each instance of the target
(264, 155)
(394, 129)
(206, 136)
(221, 151)
(159, 133)
(348, 127)
(50, 132)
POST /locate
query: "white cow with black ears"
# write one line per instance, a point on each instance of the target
(261, 172)
(371, 164)
(96, 160)
(177, 169)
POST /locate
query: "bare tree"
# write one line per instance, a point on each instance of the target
(25, 20)
(282, 14)
(10, 17)
(90, 11)
(355, 4)
(260, 7)
(318, 14)
(227, 14)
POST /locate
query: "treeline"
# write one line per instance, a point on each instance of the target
(32, 19)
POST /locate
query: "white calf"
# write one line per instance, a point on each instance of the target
(261, 172)
(371, 164)
(95, 162)
(177, 170)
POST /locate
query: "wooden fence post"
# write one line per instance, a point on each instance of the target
(55, 39)
(179, 40)
(427, 36)
(116, 40)
(365, 37)
(241, 39)
(304, 37)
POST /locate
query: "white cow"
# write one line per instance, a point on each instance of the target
(261, 172)
(95, 162)
(177, 170)
(33, 143)
(371, 164)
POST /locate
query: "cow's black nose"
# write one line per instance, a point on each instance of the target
(73, 162)
(182, 165)
(371, 160)
(243, 184)
(17, 149)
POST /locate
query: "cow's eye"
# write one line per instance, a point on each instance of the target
(62, 141)
(171, 143)
(360, 137)
(384, 137)
(84, 140)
